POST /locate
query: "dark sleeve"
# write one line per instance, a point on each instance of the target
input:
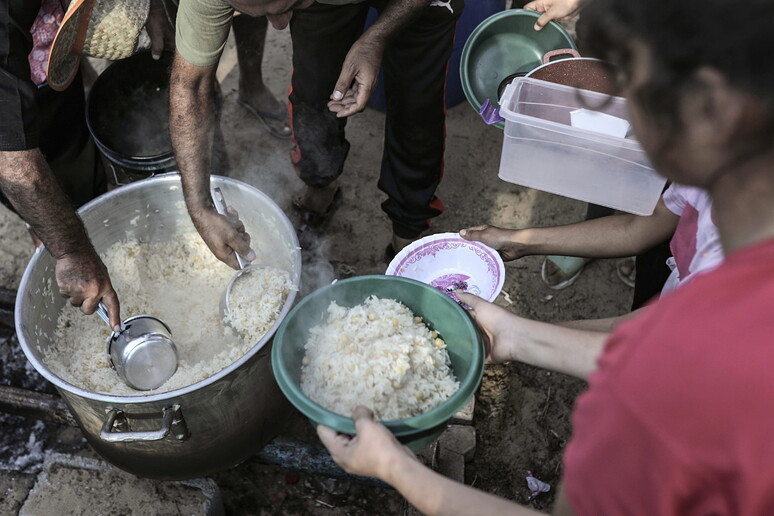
(18, 113)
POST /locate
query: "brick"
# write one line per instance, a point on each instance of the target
(464, 416)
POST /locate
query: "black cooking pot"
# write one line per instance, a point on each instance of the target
(127, 112)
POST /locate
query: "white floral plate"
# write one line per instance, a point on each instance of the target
(448, 262)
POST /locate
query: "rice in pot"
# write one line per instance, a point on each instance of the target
(253, 301)
(376, 354)
(180, 282)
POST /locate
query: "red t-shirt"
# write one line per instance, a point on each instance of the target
(679, 419)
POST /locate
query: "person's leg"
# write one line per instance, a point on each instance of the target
(250, 37)
(415, 66)
(322, 35)
(560, 272)
(651, 273)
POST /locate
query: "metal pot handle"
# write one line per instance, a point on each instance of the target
(116, 427)
(559, 52)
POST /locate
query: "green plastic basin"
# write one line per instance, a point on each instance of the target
(502, 45)
(440, 312)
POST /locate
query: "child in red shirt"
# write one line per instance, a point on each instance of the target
(677, 419)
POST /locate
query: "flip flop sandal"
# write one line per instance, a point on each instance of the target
(262, 116)
(571, 267)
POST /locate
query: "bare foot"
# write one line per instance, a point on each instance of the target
(317, 200)
(270, 111)
(560, 272)
(554, 275)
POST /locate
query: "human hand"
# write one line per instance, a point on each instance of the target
(225, 235)
(505, 241)
(358, 77)
(373, 452)
(552, 10)
(496, 323)
(161, 28)
(84, 280)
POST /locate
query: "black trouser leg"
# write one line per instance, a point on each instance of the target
(415, 66)
(415, 71)
(652, 272)
(322, 35)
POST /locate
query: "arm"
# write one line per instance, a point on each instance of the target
(606, 237)
(81, 276)
(191, 119)
(553, 10)
(606, 325)
(360, 70)
(565, 350)
(375, 452)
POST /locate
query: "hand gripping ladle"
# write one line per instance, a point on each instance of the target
(245, 267)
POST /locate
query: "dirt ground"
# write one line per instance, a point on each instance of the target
(522, 414)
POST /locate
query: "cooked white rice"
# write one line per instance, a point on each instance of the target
(181, 282)
(376, 354)
(255, 301)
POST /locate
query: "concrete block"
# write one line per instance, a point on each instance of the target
(81, 485)
(459, 439)
(448, 455)
(464, 416)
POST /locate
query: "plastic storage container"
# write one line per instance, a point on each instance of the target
(542, 150)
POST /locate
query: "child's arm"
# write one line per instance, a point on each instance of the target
(375, 452)
(606, 325)
(606, 237)
(550, 346)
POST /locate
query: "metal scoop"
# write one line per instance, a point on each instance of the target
(245, 267)
(142, 352)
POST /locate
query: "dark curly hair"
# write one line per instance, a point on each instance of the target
(736, 39)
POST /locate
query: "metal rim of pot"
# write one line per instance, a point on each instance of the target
(41, 368)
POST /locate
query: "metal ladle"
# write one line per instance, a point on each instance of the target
(142, 352)
(245, 267)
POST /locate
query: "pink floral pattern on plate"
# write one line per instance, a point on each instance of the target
(450, 282)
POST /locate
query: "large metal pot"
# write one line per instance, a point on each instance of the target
(190, 432)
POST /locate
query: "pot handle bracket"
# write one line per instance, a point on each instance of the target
(569, 52)
(117, 430)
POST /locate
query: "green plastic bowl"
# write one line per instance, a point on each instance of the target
(440, 312)
(504, 44)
